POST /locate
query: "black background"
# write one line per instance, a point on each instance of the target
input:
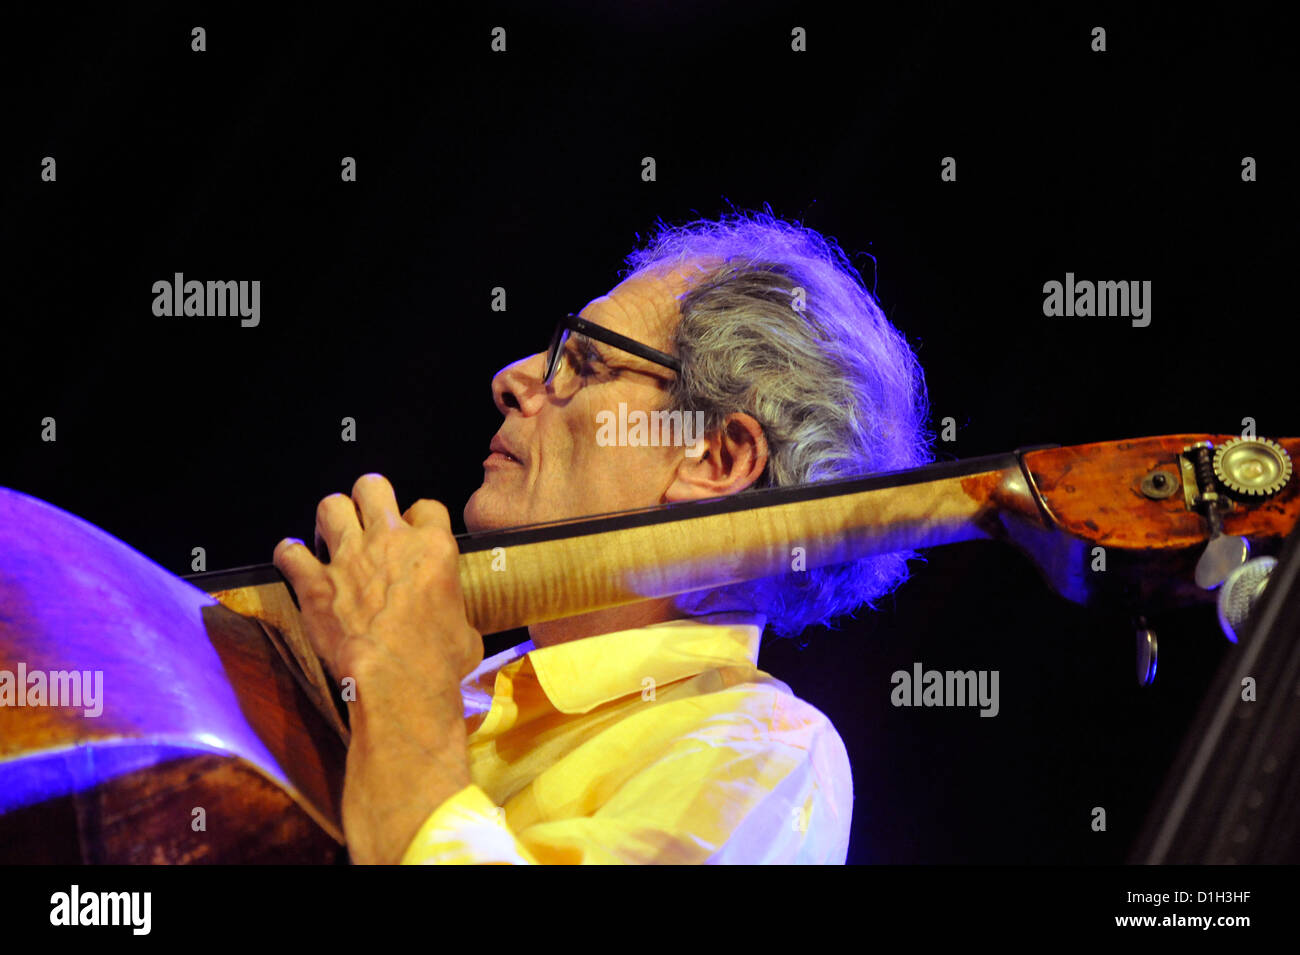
(522, 170)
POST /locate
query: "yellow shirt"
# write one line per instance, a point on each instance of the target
(664, 744)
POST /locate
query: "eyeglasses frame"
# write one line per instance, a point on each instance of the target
(575, 323)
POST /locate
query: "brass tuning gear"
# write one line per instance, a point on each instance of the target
(1252, 467)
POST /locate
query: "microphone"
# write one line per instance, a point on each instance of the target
(1241, 591)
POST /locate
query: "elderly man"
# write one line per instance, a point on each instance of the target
(560, 750)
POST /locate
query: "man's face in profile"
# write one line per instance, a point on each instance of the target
(553, 468)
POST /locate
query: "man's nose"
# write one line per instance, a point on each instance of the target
(519, 385)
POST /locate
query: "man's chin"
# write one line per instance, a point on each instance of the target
(480, 514)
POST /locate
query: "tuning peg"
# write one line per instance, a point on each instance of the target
(1223, 554)
(1241, 591)
(1147, 650)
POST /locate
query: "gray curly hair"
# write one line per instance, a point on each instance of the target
(784, 330)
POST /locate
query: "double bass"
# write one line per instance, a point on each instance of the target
(220, 738)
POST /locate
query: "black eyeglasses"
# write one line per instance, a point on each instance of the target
(572, 323)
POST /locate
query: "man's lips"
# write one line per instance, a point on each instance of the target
(501, 454)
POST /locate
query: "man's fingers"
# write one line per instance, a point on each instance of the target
(293, 559)
(375, 500)
(336, 515)
(428, 513)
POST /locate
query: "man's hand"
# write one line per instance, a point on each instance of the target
(388, 612)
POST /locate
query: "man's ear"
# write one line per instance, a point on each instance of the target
(729, 460)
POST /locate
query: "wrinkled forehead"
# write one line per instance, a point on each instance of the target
(644, 306)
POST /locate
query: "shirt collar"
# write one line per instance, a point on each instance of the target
(580, 675)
